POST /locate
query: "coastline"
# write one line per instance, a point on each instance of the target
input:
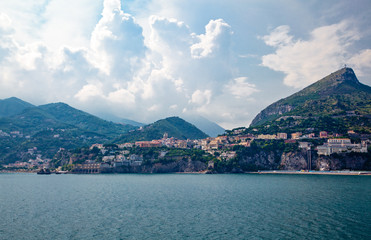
(280, 172)
(348, 173)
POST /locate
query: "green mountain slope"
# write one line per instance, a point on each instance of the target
(67, 114)
(51, 127)
(173, 126)
(12, 106)
(332, 96)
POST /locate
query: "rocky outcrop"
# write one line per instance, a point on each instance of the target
(262, 160)
(338, 162)
(273, 110)
(293, 161)
(166, 167)
(299, 161)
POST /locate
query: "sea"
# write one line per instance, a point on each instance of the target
(184, 206)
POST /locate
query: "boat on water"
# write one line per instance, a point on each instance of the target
(44, 171)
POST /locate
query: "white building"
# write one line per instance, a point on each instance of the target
(339, 145)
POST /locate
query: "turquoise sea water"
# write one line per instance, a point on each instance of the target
(184, 206)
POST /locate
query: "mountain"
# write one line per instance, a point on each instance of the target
(69, 115)
(335, 96)
(210, 128)
(173, 126)
(115, 119)
(50, 127)
(12, 106)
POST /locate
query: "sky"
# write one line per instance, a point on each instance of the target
(145, 60)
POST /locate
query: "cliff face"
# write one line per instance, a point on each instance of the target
(262, 160)
(271, 112)
(171, 167)
(293, 161)
(338, 162)
(299, 161)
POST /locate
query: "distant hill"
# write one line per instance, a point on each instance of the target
(173, 126)
(69, 115)
(210, 128)
(338, 95)
(115, 119)
(50, 127)
(12, 106)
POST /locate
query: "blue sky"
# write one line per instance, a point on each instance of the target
(149, 59)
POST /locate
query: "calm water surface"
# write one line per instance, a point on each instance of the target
(184, 206)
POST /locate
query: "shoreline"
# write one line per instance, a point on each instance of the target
(278, 172)
(346, 173)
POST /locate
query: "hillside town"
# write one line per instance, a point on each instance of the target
(221, 148)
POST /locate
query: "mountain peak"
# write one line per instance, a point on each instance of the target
(340, 91)
(12, 106)
(174, 126)
(343, 75)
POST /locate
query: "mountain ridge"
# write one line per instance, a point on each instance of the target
(173, 126)
(11, 106)
(332, 95)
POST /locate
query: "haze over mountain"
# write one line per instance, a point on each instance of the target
(173, 126)
(113, 118)
(331, 96)
(144, 60)
(210, 128)
(57, 125)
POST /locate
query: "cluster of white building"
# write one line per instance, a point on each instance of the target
(341, 145)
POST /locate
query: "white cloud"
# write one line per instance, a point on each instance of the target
(61, 23)
(278, 37)
(240, 88)
(216, 38)
(122, 96)
(5, 24)
(306, 61)
(122, 71)
(361, 62)
(201, 97)
(117, 42)
(89, 91)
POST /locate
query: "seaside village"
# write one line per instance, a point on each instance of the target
(219, 146)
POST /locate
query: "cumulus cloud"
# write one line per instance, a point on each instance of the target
(117, 42)
(361, 62)
(125, 72)
(306, 61)
(201, 97)
(89, 91)
(240, 88)
(5, 24)
(216, 38)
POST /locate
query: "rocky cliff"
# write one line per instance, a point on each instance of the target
(298, 160)
(186, 166)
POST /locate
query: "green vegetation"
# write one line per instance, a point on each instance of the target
(173, 126)
(12, 106)
(49, 128)
(151, 156)
(341, 125)
(83, 120)
(336, 103)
